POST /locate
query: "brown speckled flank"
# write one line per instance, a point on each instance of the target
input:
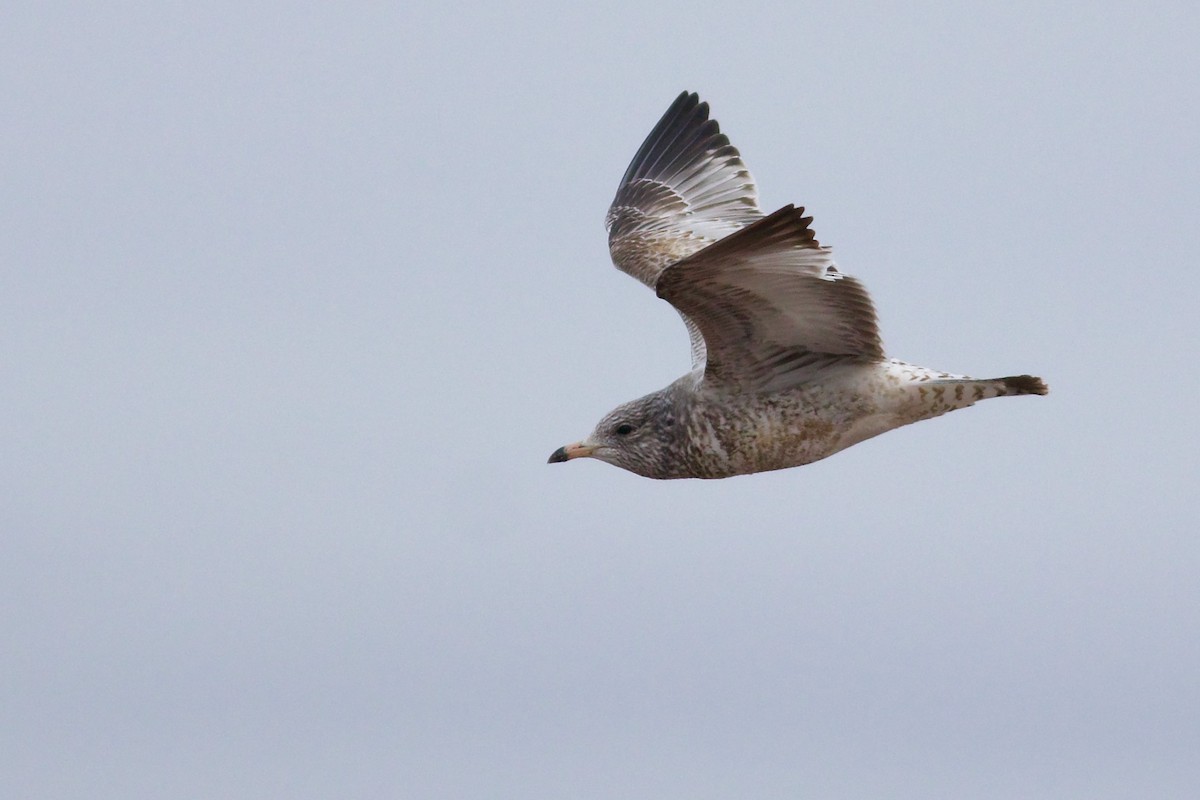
(787, 363)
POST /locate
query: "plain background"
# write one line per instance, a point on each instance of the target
(296, 301)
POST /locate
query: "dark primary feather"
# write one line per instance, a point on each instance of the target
(686, 188)
(771, 305)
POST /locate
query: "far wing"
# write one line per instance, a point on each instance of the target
(685, 189)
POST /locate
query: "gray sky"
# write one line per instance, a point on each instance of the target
(297, 303)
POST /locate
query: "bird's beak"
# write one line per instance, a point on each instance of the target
(577, 450)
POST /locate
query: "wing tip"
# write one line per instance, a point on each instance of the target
(788, 222)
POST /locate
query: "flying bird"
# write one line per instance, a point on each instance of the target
(787, 363)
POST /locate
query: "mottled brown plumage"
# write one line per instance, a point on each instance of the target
(787, 362)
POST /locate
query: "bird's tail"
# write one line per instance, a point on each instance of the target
(928, 393)
(960, 392)
(1021, 384)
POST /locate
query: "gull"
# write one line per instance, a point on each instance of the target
(787, 362)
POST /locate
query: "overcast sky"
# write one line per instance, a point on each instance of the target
(295, 305)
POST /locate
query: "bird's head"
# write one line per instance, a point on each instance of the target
(636, 436)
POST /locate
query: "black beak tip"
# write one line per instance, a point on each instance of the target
(558, 455)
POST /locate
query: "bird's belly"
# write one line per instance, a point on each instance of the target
(782, 431)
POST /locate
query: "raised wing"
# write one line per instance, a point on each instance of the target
(685, 189)
(771, 305)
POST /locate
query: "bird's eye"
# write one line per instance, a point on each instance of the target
(624, 429)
